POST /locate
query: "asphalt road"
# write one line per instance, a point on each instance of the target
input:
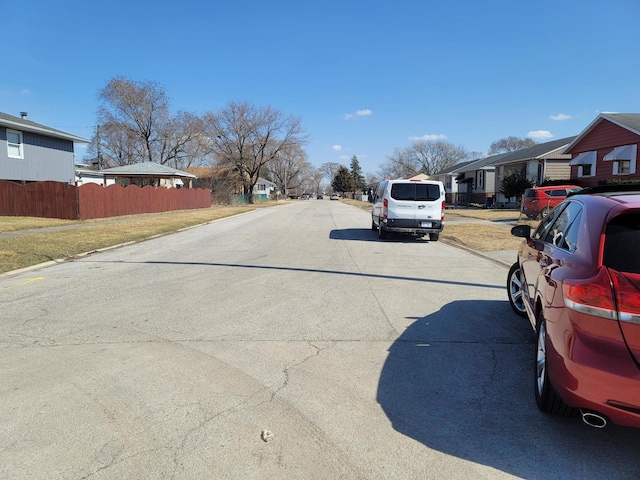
(287, 343)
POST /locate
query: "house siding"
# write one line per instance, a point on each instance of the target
(603, 135)
(557, 169)
(44, 158)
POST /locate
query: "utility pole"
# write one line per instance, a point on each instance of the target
(99, 144)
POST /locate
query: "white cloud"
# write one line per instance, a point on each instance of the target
(431, 137)
(540, 134)
(25, 91)
(560, 117)
(344, 157)
(337, 148)
(359, 113)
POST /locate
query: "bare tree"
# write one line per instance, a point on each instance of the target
(510, 144)
(287, 169)
(137, 126)
(330, 169)
(427, 157)
(248, 138)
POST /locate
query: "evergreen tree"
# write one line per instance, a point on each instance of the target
(343, 181)
(356, 174)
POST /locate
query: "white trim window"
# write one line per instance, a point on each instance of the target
(623, 158)
(586, 163)
(15, 148)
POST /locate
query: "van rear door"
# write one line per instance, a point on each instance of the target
(428, 203)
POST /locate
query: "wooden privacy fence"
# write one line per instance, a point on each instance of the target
(61, 200)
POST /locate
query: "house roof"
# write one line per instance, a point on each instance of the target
(535, 152)
(145, 169)
(628, 121)
(454, 168)
(25, 125)
(265, 181)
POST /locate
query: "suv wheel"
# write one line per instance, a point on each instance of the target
(546, 398)
(514, 290)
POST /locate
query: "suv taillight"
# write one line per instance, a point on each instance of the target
(627, 297)
(385, 208)
(593, 296)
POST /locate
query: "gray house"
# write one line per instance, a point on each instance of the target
(544, 161)
(32, 152)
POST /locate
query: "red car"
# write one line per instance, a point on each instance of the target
(577, 279)
(537, 202)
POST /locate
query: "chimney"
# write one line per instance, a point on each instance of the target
(23, 115)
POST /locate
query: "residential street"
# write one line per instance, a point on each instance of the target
(286, 343)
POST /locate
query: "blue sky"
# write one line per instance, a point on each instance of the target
(365, 76)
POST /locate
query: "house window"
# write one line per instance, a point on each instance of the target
(623, 158)
(14, 144)
(623, 167)
(586, 163)
(480, 179)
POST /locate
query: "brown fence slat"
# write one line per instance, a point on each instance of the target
(61, 200)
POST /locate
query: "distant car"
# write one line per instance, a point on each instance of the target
(537, 202)
(305, 196)
(335, 196)
(320, 197)
(577, 280)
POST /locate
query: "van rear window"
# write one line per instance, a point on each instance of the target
(622, 243)
(415, 191)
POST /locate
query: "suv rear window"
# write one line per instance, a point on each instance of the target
(415, 191)
(622, 243)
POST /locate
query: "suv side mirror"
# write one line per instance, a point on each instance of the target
(523, 231)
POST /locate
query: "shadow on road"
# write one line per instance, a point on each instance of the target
(460, 381)
(368, 235)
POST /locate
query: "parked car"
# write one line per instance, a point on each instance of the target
(537, 202)
(577, 280)
(335, 196)
(320, 196)
(410, 207)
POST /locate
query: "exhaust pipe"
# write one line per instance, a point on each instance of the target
(593, 419)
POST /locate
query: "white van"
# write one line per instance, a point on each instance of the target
(414, 207)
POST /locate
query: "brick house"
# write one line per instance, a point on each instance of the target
(606, 150)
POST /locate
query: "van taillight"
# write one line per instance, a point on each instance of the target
(593, 296)
(385, 208)
(442, 211)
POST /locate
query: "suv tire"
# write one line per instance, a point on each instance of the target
(546, 398)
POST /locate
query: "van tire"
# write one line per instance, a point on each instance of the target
(373, 226)
(433, 237)
(382, 233)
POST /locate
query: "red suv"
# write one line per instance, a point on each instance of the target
(539, 201)
(577, 279)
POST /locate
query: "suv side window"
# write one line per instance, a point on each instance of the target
(564, 231)
(545, 225)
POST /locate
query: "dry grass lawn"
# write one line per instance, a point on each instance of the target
(32, 249)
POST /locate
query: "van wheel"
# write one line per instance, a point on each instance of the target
(434, 237)
(373, 226)
(382, 233)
